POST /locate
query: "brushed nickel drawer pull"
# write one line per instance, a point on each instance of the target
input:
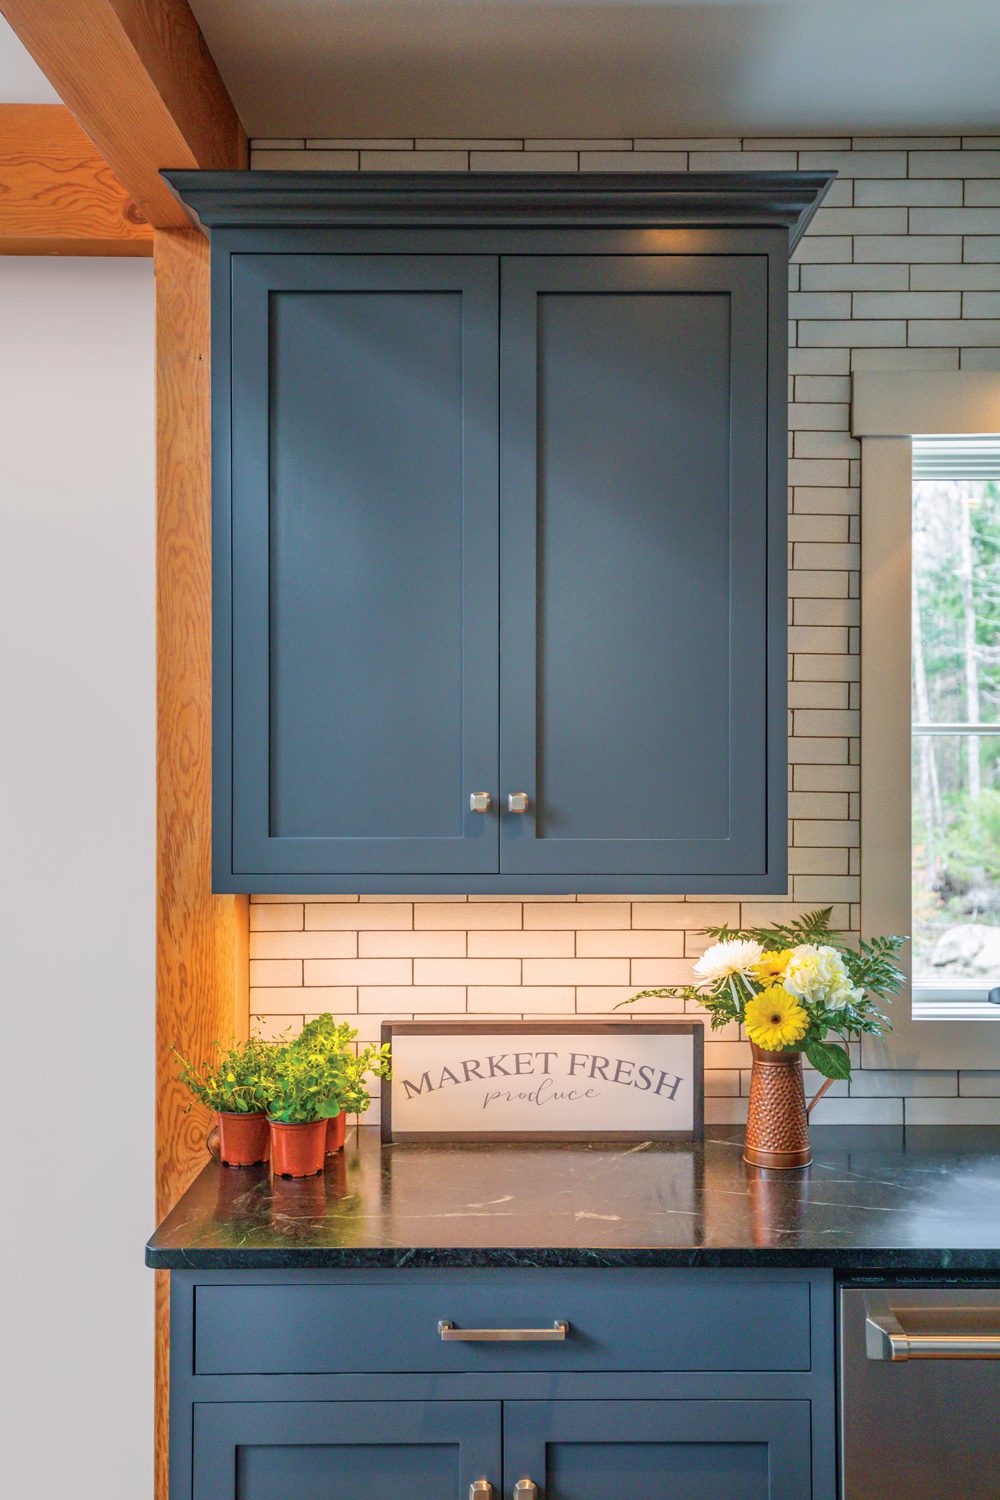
(886, 1339)
(526, 1489)
(452, 1335)
(480, 1489)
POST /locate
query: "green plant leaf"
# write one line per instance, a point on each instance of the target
(831, 1061)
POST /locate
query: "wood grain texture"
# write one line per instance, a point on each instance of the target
(57, 194)
(201, 940)
(141, 82)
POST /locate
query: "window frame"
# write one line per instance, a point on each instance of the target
(888, 409)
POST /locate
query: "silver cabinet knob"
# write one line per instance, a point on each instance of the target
(517, 802)
(480, 802)
(526, 1489)
(480, 1489)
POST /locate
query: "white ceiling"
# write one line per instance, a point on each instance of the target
(21, 80)
(616, 68)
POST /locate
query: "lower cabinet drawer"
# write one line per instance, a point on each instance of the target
(629, 1320)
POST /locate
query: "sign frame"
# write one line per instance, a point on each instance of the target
(600, 1030)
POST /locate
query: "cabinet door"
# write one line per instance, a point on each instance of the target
(312, 1450)
(642, 576)
(363, 564)
(659, 1450)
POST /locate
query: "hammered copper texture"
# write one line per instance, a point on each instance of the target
(777, 1116)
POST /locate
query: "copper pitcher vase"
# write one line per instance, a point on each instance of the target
(778, 1118)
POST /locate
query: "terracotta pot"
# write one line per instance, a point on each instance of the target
(777, 1122)
(336, 1130)
(298, 1150)
(243, 1139)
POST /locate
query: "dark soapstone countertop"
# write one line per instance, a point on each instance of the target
(876, 1198)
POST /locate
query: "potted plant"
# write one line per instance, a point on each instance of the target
(235, 1089)
(304, 1091)
(337, 1039)
(792, 986)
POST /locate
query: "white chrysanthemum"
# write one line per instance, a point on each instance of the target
(818, 975)
(721, 960)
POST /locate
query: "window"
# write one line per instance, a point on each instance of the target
(955, 749)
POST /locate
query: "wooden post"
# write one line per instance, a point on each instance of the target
(201, 939)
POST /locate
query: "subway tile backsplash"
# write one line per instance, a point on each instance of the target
(900, 270)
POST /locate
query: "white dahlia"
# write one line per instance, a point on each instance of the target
(722, 960)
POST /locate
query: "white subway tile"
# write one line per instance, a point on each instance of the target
(907, 304)
(858, 1112)
(602, 1000)
(576, 971)
(821, 890)
(688, 143)
(884, 333)
(726, 1111)
(904, 359)
(819, 361)
(832, 555)
(522, 944)
(908, 247)
(652, 943)
(360, 143)
(855, 163)
(649, 972)
(608, 143)
(898, 1083)
(485, 914)
(275, 972)
(979, 1083)
(906, 142)
(982, 192)
(276, 918)
(980, 359)
(825, 249)
(981, 305)
(859, 221)
(954, 164)
(983, 277)
(327, 971)
(523, 161)
(303, 945)
(304, 161)
(523, 999)
(275, 1028)
(967, 332)
(923, 192)
(277, 143)
(446, 143)
(597, 914)
(742, 161)
(982, 247)
(414, 161)
(689, 916)
(383, 943)
(816, 416)
(826, 778)
(851, 278)
(342, 1000)
(448, 971)
(819, 694)
(401, 1001)
(963, 1111)
(810, 861)
(375, 914)
(632, 161)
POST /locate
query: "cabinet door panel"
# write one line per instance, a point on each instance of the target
(339, 1451)
(659, 1450)
(634, 509)
(364, 513)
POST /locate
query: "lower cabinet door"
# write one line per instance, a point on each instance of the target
(345, 1450)
(658, 1450)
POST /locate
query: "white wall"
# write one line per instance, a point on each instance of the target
(77, 860)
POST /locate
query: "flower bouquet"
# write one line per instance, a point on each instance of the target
(792, 986)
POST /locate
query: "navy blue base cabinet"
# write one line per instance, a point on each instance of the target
(499, 530)
(668, 1385)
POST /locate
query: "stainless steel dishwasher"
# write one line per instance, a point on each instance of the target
(920, 1393)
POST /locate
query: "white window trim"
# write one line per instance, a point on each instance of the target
(888, 408)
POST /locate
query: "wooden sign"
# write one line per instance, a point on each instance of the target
(543, 1081)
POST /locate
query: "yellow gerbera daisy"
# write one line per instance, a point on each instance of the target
(774, 1019)
(772, 966)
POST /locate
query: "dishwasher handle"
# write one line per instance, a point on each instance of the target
(886, 1339)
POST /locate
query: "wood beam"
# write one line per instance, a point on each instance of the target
(57, 194)
(201, 940)
(141, 82)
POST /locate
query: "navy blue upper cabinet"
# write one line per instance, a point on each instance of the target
(364, 544)
(499, 529)
(635, 627)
